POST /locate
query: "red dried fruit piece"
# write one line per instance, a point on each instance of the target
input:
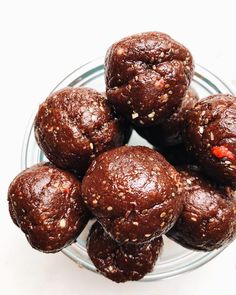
(67, 190)
(222, 152)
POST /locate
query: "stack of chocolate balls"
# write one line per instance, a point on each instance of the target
(184, 187)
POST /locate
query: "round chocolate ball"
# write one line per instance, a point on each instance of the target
(208, 219)
(134, 193)
(73, 125)
(121, 263)
(210, 135)
(46, 203)
(169, 132)
(146, 76)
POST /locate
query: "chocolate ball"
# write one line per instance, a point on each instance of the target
(134, 193)
(210, 135)
(73, 125)
(146, 76)
(208, 219)
(121, 263)
(46, 203)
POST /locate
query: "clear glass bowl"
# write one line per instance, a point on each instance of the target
(174, 259)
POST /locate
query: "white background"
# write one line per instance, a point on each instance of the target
(40, 43)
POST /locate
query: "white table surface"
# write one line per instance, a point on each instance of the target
(43, 41)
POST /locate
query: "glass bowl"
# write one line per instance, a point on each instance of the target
(174, 259)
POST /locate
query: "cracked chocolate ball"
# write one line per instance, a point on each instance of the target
(121, 263)
(208, 219)
(46, 203)
(169, 132)
(146, 76)
(134, 193)
(73, 125)
(210, 135)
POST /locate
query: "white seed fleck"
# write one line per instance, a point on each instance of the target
(136, 78)
(91, 145)
(62, 222)
(212, 136)
(162, 224)
(189, 181)
(162, 54)
(135, 223)
(193, 219)
(201, 129)
(151, 115)
(95, 202)
(109, 208)
(135, 115)
(94, 118)
(147, 235)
